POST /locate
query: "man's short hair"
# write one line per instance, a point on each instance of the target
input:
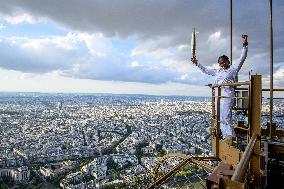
(224, 57)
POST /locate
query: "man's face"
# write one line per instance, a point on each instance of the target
(223, 63)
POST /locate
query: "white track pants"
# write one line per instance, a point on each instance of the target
(226, 124)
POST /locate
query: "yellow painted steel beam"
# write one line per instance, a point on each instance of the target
(255, 125)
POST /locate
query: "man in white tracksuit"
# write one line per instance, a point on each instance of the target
(226, 74)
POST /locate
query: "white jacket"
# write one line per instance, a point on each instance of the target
(226, 75)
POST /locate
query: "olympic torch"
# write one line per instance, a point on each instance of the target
(193, 43)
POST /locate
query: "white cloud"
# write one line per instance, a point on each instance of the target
(216, 41)
(154, 48)
(160, 53)
(97, 44)
(87, 56)
(184, 77)
(2, 26)
(34, 55)
(278, 77)
(135, 64)
(93, 56)
(19, 17)
(52, 82)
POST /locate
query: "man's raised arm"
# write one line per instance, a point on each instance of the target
(205, 70)
(243, 57)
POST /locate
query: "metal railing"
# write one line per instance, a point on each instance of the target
(216, 102)
(253, 129)
(271, 130)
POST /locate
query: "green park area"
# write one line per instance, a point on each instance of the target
(188, 171)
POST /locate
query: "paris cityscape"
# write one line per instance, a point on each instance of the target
(98, 140)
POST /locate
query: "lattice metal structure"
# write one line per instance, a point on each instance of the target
(237, 168)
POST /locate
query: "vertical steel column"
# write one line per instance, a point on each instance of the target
(249, 112)
(231, 31)
(271, 69)
(255, 125)
(213, 109)
(213, 121)
(217, 138)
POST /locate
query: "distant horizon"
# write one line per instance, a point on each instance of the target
(87, 93)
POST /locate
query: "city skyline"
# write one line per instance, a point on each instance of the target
(130, 47)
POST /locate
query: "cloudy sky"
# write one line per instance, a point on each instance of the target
(129, 46)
